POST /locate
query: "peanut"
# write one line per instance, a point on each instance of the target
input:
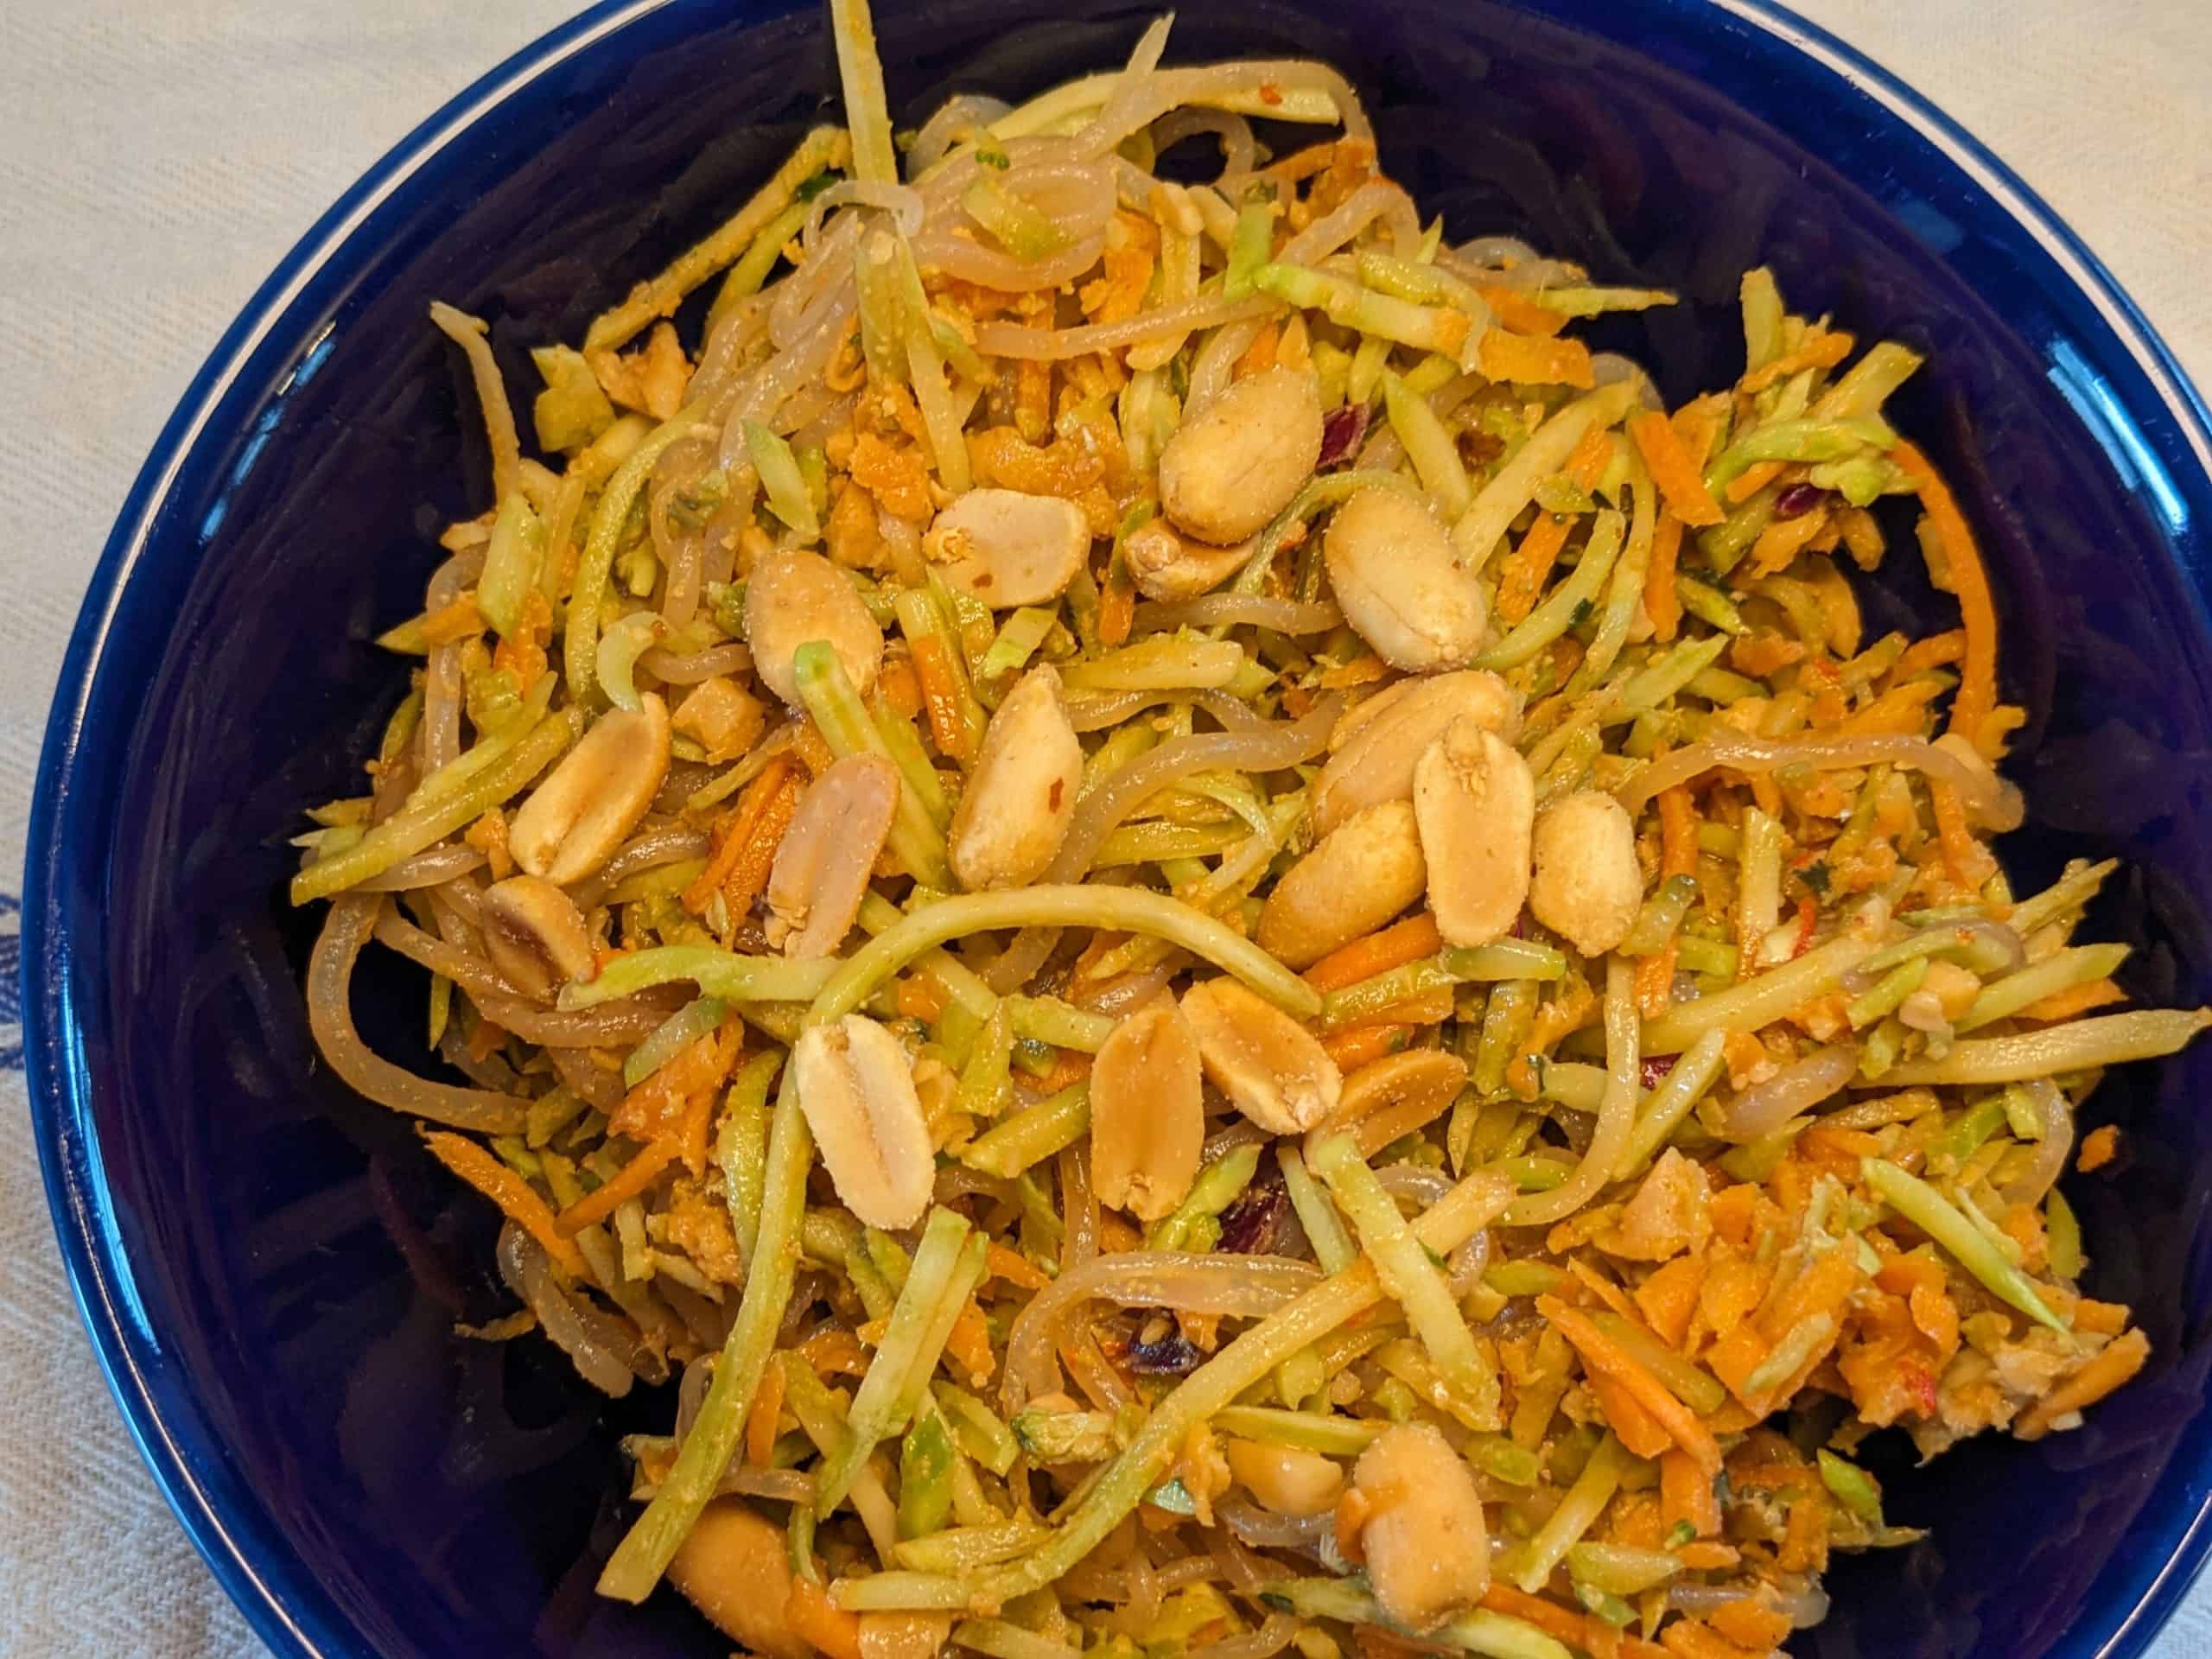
(1357, 878)
(1375, 747)
(795, 596)
(1588, 886)
(1401, 584)
(1476, 803)
(1012, 819)
(1273, 1069)
(1236, 462)
(1006, 548)
(586, 808)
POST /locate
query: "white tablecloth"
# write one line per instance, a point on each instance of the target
(157, 157)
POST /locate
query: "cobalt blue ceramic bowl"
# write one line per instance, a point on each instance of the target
(269, 1271)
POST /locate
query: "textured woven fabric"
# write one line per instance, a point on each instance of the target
(157, 157)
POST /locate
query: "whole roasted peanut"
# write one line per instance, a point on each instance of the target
(1006, 548)
(858, 1094)
(1012, 819)
(1393, 1096)
(1284, 1479)
(1476, 802)
(1236, 463)
(1147, 1112)
(1586, 886)
(1272, 1069)
(1400, 583)
(1377, 745)
(586, 808)
(1424, 1537)
(828, 853)
(1357, 878)
(535, 936)
(1164, 565)
(795, 596)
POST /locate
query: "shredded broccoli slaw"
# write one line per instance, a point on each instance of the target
(1121, 858)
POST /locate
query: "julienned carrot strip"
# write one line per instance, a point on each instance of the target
(1637, 1429)
(1685, 1494)
(920, 997)
(1823, 351)
(1355, 1046)
(1118, 605)
(760, 1421)
(1969, 861)
(1969, 582)
(814, 1617)
(1934, 651)
(510, 1192)
(1672, 470)
(901, 688)
(1685, 1638)
(1521, 577)
(1587, 461)
(750, 879)
(1697, 425)
(1752, 480)
(1531, 360)
(1377, 953)
(2074, 1000)
(731, 848)
(1000, 1263)
(1520, 312)
(630, 1182)
(1661, 600)
(1071, 1068)
(940, 698)
(1655, 981)
(2086, 1386)
(971, 1343)
(1600, 1353)
(1677, 832)
(1593, 1635)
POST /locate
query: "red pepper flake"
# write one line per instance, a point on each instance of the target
(1807, 916)
(1270, 93)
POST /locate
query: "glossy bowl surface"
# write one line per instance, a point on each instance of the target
(270, 1269)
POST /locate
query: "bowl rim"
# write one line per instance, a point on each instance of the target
(59, 1080)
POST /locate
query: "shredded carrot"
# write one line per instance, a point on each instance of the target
(1637, 1429)
(1000, 1263)
(1428, 1009)
(1593, 1635)
(654, 1111)
(1377, 953)
(456, 622)
(2098, 1148)
(812, 1616)
(1661, 600)
(632, 1182)
(1117, 604)
(515, 1196)
(1587, 461)
(1805, 1539)
(1603, 1289)
(1303, 164)
(1259, 355)
(1601, 1354)
(1934, 651)
(1704, 1557)
(1655, 981)
(1969, 581)
(735, 830)
(2076, 999)
(1521, 577)
(1821, 350)
(1685, 1494)
(1363, 670)
(1356, 1045)
(1673, 470)
(1898, 712)
(1518, 312)
(971, 1343)
(1686, 1638)
(901, 688)
(1531, 360)
(1766, 794)
(920, 997)
(1781, 541)
(1750, 1624)
(760, 1420)
(833, 1352)
(1070, 1068)
(940, 698)
(1753, 479)
(1667, 1300)
(750, 879)
(1969, 861)
(1697, 425)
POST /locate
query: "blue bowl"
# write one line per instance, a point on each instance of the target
(269, 1269)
